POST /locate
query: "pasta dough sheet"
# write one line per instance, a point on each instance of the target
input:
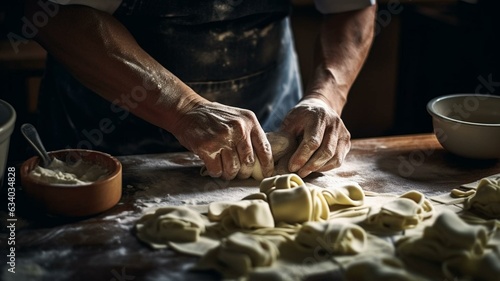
(292, 230)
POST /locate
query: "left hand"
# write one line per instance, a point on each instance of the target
(325, 139)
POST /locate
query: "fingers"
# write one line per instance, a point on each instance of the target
(224, 164)
(213, 163)
(263, 151)
(343, 147)
(239, 161)
(247, 159)
(230, 163)
(325, 140)
(310, 143)
(232, 142)
(330, 155)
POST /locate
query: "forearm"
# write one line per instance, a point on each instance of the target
(101, 53)
(341, 49)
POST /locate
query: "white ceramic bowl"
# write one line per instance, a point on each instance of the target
(7, 121)
(467, 124)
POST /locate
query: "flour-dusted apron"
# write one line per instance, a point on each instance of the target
(234, 52)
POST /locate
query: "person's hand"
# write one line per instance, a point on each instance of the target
(325, 141)
(225, 138)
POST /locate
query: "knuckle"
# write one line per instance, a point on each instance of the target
(326, 155)
(223, 130)
(232, 164)
(248, 114)
(267, 147)
(322, 113)
(235, 125)
(248, 160)
(347, 135)
(264, 145)
(313, 143)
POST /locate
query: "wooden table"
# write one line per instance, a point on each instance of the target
(103, 247)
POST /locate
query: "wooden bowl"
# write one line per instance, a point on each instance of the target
(75, 200)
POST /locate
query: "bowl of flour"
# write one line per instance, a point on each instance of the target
(77, 182)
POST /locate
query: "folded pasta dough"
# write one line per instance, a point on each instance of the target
(291, 205)
(320, 209)
(375, 268)
(290, 202)
(487, 199)
(457, 193)
(447, 238)
(460, 248)
(238, 254)
(350, 194)
(405, 212)
(453, 233)
(419, 198)
(280, 182)
(486, 267)
(256, 196)
(245, 214)
(177, 224)
(334, 238)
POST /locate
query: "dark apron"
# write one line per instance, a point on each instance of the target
(234, 52)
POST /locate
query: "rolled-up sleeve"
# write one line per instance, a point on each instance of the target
(339, 6)
(108, 6)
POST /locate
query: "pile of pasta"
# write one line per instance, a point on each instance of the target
(291, 230)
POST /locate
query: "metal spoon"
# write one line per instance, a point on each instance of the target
(33, 138)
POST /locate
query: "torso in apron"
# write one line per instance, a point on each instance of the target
(238, 53)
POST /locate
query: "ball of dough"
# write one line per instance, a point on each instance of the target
(282, 144)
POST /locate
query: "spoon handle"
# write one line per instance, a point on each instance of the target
(33, 138)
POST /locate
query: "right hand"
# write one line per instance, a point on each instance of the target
(226, 138)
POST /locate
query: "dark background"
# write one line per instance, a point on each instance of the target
(422, 49)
